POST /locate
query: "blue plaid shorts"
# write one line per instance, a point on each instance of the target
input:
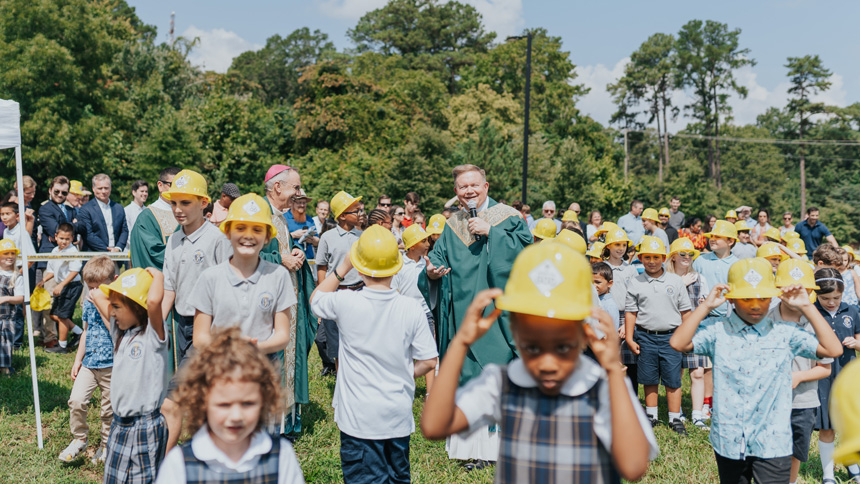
(135, 448)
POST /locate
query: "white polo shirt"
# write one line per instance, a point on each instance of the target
(187, 256)
(658, 301)
(61, 268)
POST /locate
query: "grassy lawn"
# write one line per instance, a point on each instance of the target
(682, 460)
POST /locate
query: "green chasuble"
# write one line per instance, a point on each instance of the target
(306, 322)
(477, 266)
(148, 239)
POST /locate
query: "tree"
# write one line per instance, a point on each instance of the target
(428, 35)
(648, 77)
(808, 77)
(707, 55)
(278, 66)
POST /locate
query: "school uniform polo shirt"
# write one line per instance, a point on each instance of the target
(715, 271)
(249, 303)
(187, 256)
(62, 268)
(658, 301)
(333, 248)
(744, 251)
(660, 234)
(752, 383)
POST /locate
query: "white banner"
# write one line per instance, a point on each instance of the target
(10, 124)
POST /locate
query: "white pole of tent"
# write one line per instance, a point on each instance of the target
(25, 274)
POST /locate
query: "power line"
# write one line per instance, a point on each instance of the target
(768, 141)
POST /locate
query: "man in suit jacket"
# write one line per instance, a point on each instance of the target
(54, 212)
(101, 221)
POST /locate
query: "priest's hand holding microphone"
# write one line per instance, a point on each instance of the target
(477, 226)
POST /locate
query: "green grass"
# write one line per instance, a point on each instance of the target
(682, 460)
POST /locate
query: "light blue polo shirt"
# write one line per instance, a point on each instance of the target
(715, 271)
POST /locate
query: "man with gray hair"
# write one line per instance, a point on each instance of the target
(101, 221)
(549, 212)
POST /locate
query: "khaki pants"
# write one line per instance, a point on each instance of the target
(82, 392)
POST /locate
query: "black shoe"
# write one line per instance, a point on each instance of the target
(654, 422)
(58, 349)
(326, 371)
(678, 426)
(73, 340)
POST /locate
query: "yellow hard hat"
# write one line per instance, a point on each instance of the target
(616, 235)
(133, 284)
(549, 280)
(683, 244)
(188, 182)
(741, 225)
(596, 250)
(845, 414)
(413, 234)
(795, 271)
(731, 214)
(250, 208)
(751, 279)
(790, 234)
(796, 245)
(7, 245)
(76, 188)
(340, 202)
(572, 240)
(665, 211)
(651, 245)
(375, 253)
(436, 224)
(850, 250)
(773, 234)
(40, 300)
(605, 228)
(545, 229)
(770, 249)
(570, 216)
(723, 229)
(650, 214)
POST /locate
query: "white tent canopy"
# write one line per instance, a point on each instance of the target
(10, 137)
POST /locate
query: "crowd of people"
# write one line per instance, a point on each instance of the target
(533, 335)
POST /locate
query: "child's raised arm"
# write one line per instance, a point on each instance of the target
(828, 343)
(682, 339)
(153, 301)
(441, 416)
(102, 305)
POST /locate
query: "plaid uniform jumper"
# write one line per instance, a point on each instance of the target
(265, 472)
(689, 360)
(550, 439)
(9, 313)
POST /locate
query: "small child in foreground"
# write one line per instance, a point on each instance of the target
(92, 366)
(752, 355)
(138, 434)
(228, 392)
(563, 418)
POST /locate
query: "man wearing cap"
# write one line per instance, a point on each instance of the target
(154, 226)
(229, 192)
(282, 183)
(101, 222)
(665, 215)
(476, 253)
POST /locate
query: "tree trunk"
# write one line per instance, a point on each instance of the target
(717, 174)
(802, 171)
(659, 137)
(665, 134)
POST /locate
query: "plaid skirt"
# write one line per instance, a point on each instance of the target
(135, 448)
(7, 336)
(691, 361)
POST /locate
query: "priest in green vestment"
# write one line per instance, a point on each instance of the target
(153, 227)
(480, 252)
(282, 184)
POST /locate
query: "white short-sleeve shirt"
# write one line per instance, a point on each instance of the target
(61, 268)
(187, 256)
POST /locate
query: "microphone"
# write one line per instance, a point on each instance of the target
(473, 212)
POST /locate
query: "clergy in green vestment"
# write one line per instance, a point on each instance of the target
(479, 252)
(282, 184)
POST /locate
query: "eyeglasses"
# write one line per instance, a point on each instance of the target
(786, 218)
(400, 213)
(61, 192)
(350, 212)
(169, 184)
(385, 204)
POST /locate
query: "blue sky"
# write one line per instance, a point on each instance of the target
(600, 35)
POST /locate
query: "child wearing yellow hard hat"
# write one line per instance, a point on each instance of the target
(435, 227)
(387, 345)
(11, 299)
(731, 216)
(752, 355)
(548, 298)
(545, 229)
(744, 248)
(851, 295)
(615, 248)
(714, 265)
(195, 247)
(411, 280)
(651, 222)
(138, 437)
(656, 303)
(844, 324)
(805, 372)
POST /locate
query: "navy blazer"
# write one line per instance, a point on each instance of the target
(93, 230)
(50, 217)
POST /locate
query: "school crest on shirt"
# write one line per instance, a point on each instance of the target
(847, 321)
(135, 350)
(199, 257)
(266, 301)
(670, 290)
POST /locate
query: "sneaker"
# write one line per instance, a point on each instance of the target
(700, 422)
(73, 450)
(100, 455)
(678, 427)
(73, 340)
(58, 349)
(706, 413)
(654, 422)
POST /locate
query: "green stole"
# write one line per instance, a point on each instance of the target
(477, 265)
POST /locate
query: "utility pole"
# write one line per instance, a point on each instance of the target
(626, 156)
(172, 18)
(528, 38)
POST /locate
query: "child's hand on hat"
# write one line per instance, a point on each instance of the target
(605, 349)
(474, 324)
(716, 298)
(795, 296)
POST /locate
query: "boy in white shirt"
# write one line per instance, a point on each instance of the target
(382, 333)
(69, 288)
